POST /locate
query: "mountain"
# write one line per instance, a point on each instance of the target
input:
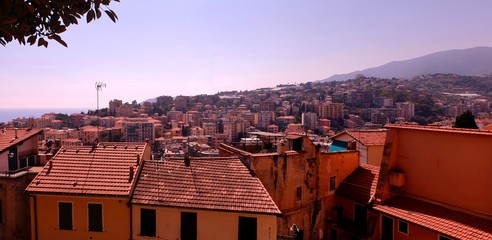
(471, 61)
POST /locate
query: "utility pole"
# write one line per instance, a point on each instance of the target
(99, 86)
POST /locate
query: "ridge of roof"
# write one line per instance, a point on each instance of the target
(440, 129)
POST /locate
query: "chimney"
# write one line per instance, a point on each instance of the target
(130, 178)
(15, 130)
(187, 159)
(138, 159)
(50, 166)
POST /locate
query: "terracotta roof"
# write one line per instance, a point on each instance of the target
(361, 184)
(8, 139)
(291, 136)
(449, 222)
(370, 137)
(104, 170)
(208, 183)
(440, 129)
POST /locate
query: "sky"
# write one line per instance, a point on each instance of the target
(185, 47)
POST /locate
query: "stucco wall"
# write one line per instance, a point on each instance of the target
(451, 168)
(210, 224)
(116, 218)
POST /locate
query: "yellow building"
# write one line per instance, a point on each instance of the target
(201, 198)
(83, 192)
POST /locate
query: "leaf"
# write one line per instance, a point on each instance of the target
(98, 13)
(97, 4)
(32, 39)
(61, 29)
(110, 15)
(21, 40)
(90, 15)
(59, 40)
(114, 14)
(73, 20)
(40, 42)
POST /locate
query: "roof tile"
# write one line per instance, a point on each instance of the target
(208, 183)
(101, 170)
(11, 136)
(361, 184)
(452, 223)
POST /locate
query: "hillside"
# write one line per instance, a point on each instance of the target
(468, 62)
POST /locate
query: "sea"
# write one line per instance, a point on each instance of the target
(7, 114)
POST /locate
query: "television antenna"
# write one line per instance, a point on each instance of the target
(99, 86)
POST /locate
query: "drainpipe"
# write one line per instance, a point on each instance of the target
(131, 220)
(35, 206)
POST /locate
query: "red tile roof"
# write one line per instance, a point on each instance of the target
(436, 218)
(208, 183)
(369, 137)
(440, 129)
(8, 139)
(360, 185)
(104, 170)
(366, 137)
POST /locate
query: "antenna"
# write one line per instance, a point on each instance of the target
(99, 86)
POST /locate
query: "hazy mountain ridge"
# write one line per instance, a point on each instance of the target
(472, 61)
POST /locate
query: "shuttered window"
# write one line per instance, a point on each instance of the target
(95, 217)
(65, 218)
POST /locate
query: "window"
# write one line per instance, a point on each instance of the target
(147, 222)
(247, 228)
(360, 217)
(299, 193)
(95, 217)
(188, 226)
(441, 237)
(333, 181)
(65, 218)
(387, 228)
(403, 227)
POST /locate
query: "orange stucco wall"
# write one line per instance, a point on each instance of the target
(445, 167)
(210, 224)
(375, 154)
(282, 173)
(116, 218)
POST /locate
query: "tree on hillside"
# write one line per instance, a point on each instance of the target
(466, 120)
(34, 21)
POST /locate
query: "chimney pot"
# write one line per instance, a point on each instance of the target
(130, 178)
(187, 160)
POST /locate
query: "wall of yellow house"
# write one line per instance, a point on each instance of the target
(210, 224)
(116, 218)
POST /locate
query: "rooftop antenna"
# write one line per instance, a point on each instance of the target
(99, 86)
